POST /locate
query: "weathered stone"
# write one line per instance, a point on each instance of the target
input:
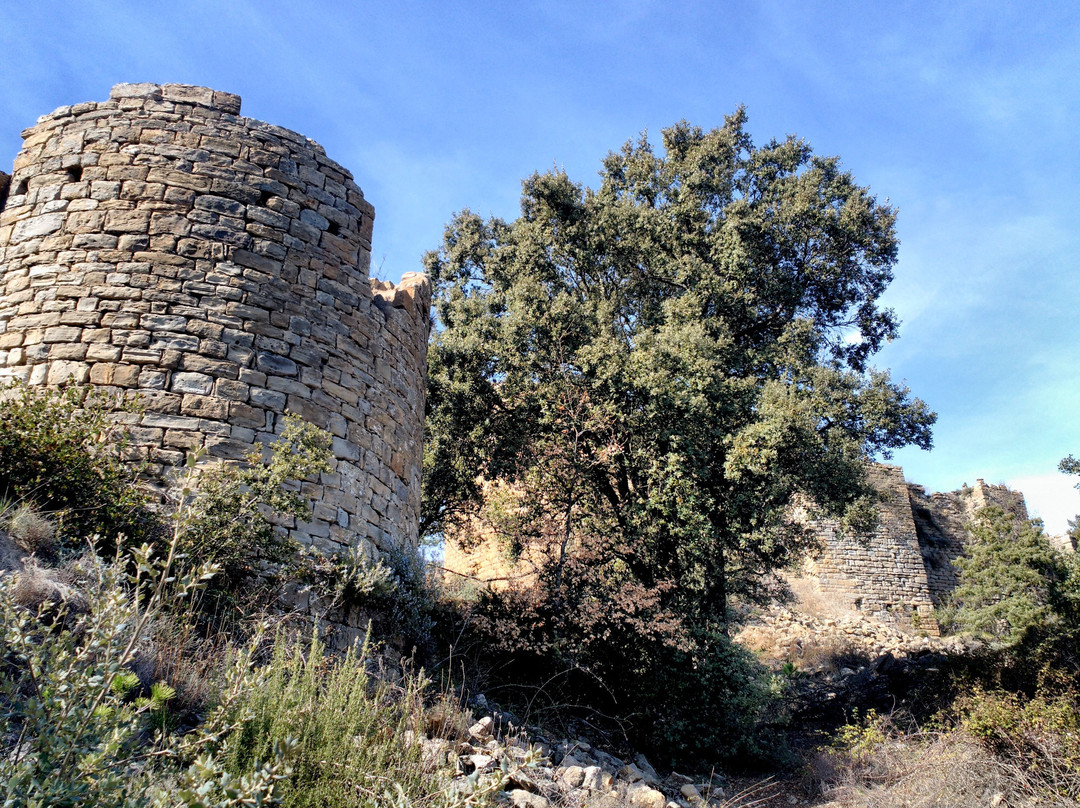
(482, 763)
(573, 776)
(142, 274)
(205, 407)
(596, 779)
(520, 798)
(483, 729)
(197, 383)
(127, 221)
(272, 363)
(37, 226)
(643, 796)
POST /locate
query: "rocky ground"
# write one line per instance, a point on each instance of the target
(570, 774)
(834, 666)
(816, 644)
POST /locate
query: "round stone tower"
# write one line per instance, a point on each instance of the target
(160, 245)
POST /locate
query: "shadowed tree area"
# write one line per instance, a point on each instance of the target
(661, 367)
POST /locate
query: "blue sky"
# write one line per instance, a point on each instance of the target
(966, 115)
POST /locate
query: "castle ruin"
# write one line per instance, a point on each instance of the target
(905, 568)
(162, 246)
(900, 573)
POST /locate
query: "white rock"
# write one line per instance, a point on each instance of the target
(482, 763)
(573, 776)
(643, 796)
(481, 730)
(596, 779)
(525, 799)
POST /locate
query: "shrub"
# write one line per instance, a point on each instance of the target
(1020, 595)
(713, 702)
(1039, 735)
(82, 731)
(223, 513)
(889, 762)
(63, 451)
(352, 731)
(612, 655)
(392, 593)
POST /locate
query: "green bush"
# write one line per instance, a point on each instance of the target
(711, 703)
(353, 746)
(1040, 735)
(687, 696)
(1021, 596)
(393, 593)
(82, 730)
(63, 451)
(223, 513)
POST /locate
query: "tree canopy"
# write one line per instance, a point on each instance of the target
(667, 360)
(659, 369)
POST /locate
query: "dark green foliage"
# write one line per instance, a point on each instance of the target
(720, 679)
(601, 647)
(669, 358)
(1070, 465)
(62, 450)
(659, 367)
(1016, 591)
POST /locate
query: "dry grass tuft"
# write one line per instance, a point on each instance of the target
(39, 589)
(884, 766)
(34, 533)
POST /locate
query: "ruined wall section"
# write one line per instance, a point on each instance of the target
(160, 245)
(942, 521)
(883, 574)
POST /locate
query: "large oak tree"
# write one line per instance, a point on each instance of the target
(664, 365)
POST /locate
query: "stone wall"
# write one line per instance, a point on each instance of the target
(906, 567)
(900, 573)
(160, 245)
(882, 574)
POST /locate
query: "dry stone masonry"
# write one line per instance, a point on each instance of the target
(899, 574)
(904, 570)
(159, 244)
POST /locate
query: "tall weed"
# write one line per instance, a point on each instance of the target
(82, 730)
(354, 745)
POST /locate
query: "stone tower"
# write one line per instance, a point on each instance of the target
(160, 245)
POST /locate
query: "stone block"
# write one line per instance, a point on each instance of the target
(247, 416)
(37, 226)
(127, 221)
(205, 407)
(275, 364)
(61, 372)
(196, 383)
